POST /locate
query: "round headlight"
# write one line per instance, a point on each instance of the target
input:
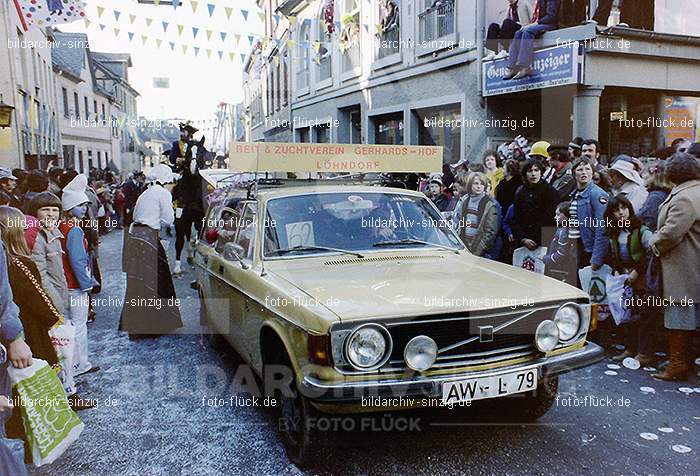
(568, 321)
(367, 347)
(420, 353)
(546, 336)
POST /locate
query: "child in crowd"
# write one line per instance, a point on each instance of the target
(560, 262)
(630, 251)
(78, 268)
(476, 216)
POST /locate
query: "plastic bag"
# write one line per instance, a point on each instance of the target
(530, 260)
(620, 296)
(63, 340)
(594, 282)
(49, 422)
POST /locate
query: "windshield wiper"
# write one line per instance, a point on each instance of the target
(412, 241)
(281, 251)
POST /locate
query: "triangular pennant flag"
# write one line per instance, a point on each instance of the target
(277, 18)
(196, 50)
(366, 26)
(316, 45)
(194, 4)
(223, 36)
(221, 54)
(229, 10)
(159, 42)
(132, 18)
(209, 32)
(179, 29)
(231, 56)
(184, 49)
(262, 16)
(116, 15)
(211, 8)
(195, 30)
(100, 11)
(102, 27)
(176, 3)
(148, 21)
(144, 39)
(237, 37)
(250, 40)
(292, 20)
(117, 31)
(131, 35)
(242, 58)
(165, 26)
(245, 14)
(87, 23)
(208, 53)
(172, 46)
(157, 2)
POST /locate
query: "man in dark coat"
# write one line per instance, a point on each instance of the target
(179, 147)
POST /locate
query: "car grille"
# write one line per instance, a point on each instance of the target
(458, 336)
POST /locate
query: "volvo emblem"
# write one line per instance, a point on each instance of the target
(485, 333)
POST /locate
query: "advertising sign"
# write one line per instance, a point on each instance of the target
(681, 115)
(554, 66)
(304, 157)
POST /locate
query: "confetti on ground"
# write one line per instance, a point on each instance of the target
(665, 429)
(619, 347)
(631, 363)
(686, 390)
(610, 372)
(649, 436)
(697, 361)
(681, 449)
(649, 369)
(613, 366)
(647, 389)
(685, 428)
(696, 390)
(624, 380)
(661, 354)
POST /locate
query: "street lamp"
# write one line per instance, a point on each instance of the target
(5, 114)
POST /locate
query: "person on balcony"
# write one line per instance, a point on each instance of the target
(545, 18)
(498, 37)
(634, 14)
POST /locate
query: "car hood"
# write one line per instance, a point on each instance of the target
(424, 283)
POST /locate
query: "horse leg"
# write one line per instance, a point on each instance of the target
(179, 243)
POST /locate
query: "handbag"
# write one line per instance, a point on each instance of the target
(620, 299)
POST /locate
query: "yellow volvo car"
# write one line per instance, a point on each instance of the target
(350, 298)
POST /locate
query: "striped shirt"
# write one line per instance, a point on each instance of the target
(471, 215)
(574, 230)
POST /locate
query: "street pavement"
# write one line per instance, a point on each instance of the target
(157, 415)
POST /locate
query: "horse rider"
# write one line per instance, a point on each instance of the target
(179, 147)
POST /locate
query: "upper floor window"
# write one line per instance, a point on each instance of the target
(303, 56)
(349, 38)
(388, 28)
(324, 57)
(436, 20)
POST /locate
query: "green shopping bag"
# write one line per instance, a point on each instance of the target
(49, 422)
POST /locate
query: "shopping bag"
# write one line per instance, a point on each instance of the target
(49, 422)
(530, 260)
(593, 282)
(63, 340)
(620, 297)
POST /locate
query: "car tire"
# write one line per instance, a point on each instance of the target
(536, 404)
(215, 340)
(294, 412)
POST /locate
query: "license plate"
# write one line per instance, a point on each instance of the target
(489, 387)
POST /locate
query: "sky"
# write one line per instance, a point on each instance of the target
(197, 84)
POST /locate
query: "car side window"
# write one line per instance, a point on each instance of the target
(246, 230)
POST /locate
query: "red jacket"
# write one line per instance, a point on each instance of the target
(65, 227)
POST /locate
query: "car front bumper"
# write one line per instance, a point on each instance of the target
(431, 386)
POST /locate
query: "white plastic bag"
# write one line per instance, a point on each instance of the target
(63, 340)
(593, 282)
(50, 424)
(530, 260)
(619, 298)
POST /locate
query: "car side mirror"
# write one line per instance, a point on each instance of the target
(235, 252)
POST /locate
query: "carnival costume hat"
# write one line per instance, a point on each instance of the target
(162, 174)
(540, 149)
(186, 126)
(627, 170)
(6, 174)
(74, 193)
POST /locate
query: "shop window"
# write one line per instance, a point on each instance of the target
(323, 134)
(441, 126)
(388, 28)
(388, 128)
(349, 38)
(436, 20)
(304, 135)
(356, 127)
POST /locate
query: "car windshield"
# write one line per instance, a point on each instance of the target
(353, 222)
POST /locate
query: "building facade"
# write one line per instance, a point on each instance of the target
(28, 84)
(410, 72)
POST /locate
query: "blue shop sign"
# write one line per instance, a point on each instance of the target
(554, 66)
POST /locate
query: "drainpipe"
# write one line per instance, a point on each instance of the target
(480, 24)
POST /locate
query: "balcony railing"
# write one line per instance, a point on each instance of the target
(437, 21)
(389, 43)
(351, 58)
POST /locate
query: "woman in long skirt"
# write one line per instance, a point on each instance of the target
(150, 307)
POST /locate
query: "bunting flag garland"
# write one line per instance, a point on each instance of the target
(179, 29)
(184, 49)
(262, 16)
(131, 35)
(157, 2)
(231, 56)
(102, 27)
(172, 46)
(223, 36)
(176, 3)
(208, 53)
(242, 58)
(159, 42)
(209, 32)
(245, 14)
(229, 10)
(131, 19)
(237, 37)
(196, 51)
(87, 23)
(144, 39)
(195, 30)
(221, 54)
(211, 8)
(148, 21)
(250, 40)
(117, 15)
(194, 5)
(100, 11)
(165, 26)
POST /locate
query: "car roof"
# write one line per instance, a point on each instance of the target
(270, 193)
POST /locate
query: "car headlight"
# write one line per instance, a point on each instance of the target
(420, 353)
(546, 336)
(368, 347)
(568, 320)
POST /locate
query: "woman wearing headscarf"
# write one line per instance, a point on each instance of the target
(627, 181)
(150, 304)
(677, 243)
